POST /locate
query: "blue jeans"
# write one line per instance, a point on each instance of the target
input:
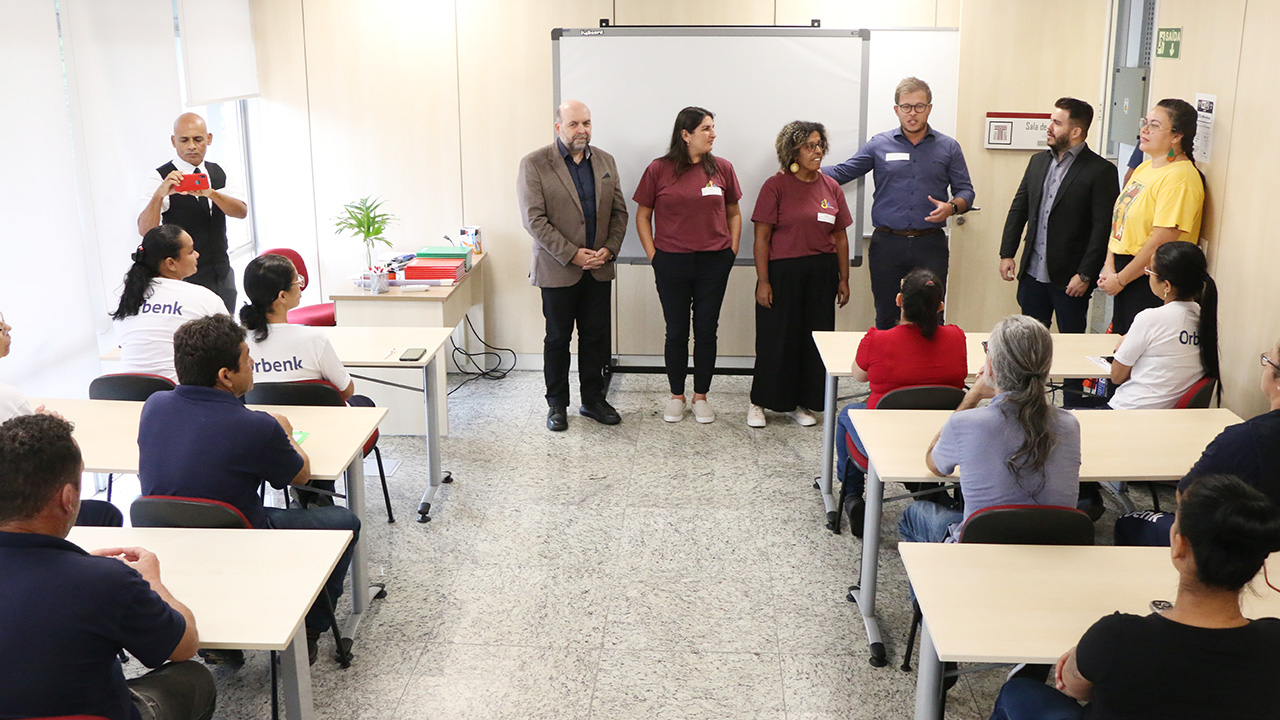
(1025, 699)
(927, 522)
(320, 518)
(844, 428)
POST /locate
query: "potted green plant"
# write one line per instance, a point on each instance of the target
(364, 220)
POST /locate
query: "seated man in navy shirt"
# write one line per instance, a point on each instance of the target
(65, 613)
(201, 441)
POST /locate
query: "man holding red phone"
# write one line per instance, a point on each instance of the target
(198, 196)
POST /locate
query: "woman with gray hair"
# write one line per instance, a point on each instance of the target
(1019, 450)
(802, 273)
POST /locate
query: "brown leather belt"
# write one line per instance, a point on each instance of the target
(908, 233)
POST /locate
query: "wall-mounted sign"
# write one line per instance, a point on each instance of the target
(1203, 145)
(1017, 131)
(1168, 43)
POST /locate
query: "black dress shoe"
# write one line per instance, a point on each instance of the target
(557, 419)
(600, 411)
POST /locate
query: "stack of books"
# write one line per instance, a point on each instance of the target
(435, 269)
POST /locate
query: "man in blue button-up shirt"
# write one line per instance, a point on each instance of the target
(914, 167)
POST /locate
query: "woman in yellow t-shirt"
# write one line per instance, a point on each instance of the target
(1162, 202)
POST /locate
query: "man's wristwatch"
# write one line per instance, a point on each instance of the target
(955, 209)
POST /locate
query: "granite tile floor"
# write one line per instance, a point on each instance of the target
(647, 570)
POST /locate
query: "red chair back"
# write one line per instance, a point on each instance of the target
(1028, 525)
(294, 258)
(186, 512)
(1198, 396)
(128, 386)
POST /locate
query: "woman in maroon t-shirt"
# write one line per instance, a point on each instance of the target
(802, 265)
(692, 246)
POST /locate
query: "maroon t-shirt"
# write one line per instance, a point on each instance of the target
(689, 211)
(902, 357)
(803, 215)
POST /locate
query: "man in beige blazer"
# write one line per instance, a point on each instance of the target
(573, 257)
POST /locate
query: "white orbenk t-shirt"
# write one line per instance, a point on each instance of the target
(146, 339)
(296, 352)
(1163, 348)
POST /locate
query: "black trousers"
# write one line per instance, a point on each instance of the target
(587, 304)
(694, 281)
(1133, 299)
(789, 370)
(891, 257)
(1042, 301)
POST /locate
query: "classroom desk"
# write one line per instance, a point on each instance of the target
(1071, 353)
(1116, 445)
(107, 431)
(435, 307)
(1028, 603)
(248, 589)
(381, 347)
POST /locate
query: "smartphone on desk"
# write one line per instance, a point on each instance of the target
(413, 354)
(191, 182)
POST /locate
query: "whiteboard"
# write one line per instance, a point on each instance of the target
(931, 54)
(755, 81)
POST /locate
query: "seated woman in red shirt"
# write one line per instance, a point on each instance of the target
(918, 351)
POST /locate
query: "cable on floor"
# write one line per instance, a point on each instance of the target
(497, 373)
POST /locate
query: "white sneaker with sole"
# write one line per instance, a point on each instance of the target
(702, 412)
(803, 417)
(755, 416)
(674, 411)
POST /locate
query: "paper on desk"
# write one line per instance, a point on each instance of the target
(1106, 366)
(300, 436)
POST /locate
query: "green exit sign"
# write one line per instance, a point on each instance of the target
(1168, 42)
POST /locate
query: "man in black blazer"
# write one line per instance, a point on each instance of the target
(1065, 202)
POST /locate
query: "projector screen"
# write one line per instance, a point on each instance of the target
(755, 81)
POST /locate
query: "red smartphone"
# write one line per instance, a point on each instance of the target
(192, 182)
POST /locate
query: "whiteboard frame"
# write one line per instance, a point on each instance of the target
(859, 190)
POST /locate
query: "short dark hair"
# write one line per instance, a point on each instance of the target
(794, 135)
(37, 457)
(203, 347)
(1232, 528)
(1079, 112)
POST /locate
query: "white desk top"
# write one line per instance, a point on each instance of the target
(350, 291)
(1116, 445)
(248, 589)
(1026, 603)
(1071, 352)
(107, 431)
(372, 346)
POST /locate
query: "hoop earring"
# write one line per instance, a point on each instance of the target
(795, 167)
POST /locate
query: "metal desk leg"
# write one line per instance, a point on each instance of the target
(362, 591)
(430, 374)
(929, 698)
(298, 704)
(828, 451)
(865, 592)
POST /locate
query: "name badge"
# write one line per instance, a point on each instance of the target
(712, 190)
(895, 157)
(827, 218)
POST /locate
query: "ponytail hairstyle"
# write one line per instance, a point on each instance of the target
(1184, 266)
(688, 120)
(264, 279)
(1020, 351)
(159, 244)
(1232, 528)
(922, 293)
(1182, 120)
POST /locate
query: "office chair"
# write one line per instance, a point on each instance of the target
(321, 315)
(916, 397)
(136, 387)
(317, 393)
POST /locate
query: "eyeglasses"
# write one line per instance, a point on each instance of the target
(1152, 125)
(1150, 272)
(812, 147)
(1267, 361)
(917, 108)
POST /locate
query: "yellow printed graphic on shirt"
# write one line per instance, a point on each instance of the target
(825, 205)
(1121, 211)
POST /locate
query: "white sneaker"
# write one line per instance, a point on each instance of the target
(755, 416)
(702, 412)
(803, 417)
(674, 411)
